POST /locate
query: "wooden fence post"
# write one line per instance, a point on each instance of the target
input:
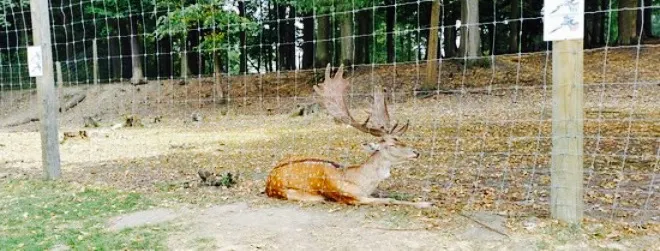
(41, 66)
(563, 24)
(567, 131)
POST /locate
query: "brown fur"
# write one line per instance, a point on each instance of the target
(295, 161)
(311, 179)
(310, 175)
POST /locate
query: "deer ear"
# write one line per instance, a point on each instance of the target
(371, 147)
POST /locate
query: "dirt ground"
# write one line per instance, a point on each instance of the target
(485, 164)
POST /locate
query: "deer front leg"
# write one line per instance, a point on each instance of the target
(296, 195)
(389, 201)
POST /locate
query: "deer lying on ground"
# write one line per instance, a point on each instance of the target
(317, 180)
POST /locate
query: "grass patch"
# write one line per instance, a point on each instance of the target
(39, 215)
(205, 243)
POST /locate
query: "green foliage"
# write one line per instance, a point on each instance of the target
(163, 25)
(118, 8)
(329, 6)
(204, 15)
(39, 215)
(207, 14)
(6, 6)
(14, 72)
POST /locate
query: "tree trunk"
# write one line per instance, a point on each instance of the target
(323, 44)
(347, 43)
(405, 46)
(115, 58)
(126, 52)
(418, 43)
(450, 41)
(359, 38)
(290, 36)
(589, 16)
(243, 61)
(363, 40)
(648, 18)
(184, 57)
(164, 58)
(389, 29)
(470, 37)
(279, 55)
(217, 71)
(596, 25)
(368, 39)
(424, 24)
(281, 37)
(627, 22)
(286, 31)
(217, 62)
(308, 42)
(136, 61)
(269, 58)
(260, 58)
(645, 18)
(432, 53)
(605, 22)
(515, 27)
(195, 63)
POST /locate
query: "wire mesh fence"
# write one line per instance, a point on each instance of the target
(479, 104)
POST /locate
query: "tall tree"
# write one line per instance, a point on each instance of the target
(515, 26)
(450, 41)
(308, 42)
(597, 24)
(363, 40)
(449, 16)
(113, 50)
(627, 22)
(470, 35)
(323, 34)
(286, 31)
(184, 67)
(390, 17)
(195, 54)
(325, 27)
(243, 38)
(645, 18)
(124, 12)
(347, 42)
(205, 21)
(138, 74)
(432, 64)
(164, 51)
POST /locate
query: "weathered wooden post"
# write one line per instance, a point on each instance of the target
(564, 25)
(40, 63)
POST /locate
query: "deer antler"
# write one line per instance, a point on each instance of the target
(380, 117)
(333, 92)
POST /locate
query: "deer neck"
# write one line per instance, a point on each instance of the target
(379, 165)
(371, 172)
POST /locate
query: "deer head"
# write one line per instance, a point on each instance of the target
(333, 98)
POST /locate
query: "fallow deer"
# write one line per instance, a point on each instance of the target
(317, 180)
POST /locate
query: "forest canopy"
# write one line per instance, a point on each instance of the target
(182, 38)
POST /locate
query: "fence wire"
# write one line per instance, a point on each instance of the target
(483, 125)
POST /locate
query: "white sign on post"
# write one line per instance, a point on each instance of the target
(35, 61)
(563, 20)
